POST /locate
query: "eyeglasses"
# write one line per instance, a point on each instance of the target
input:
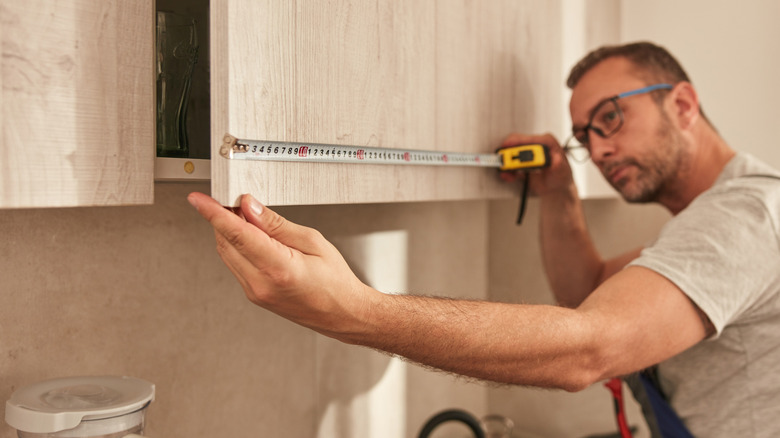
(605, 120)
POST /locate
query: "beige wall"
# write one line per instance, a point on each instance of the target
(140, 291)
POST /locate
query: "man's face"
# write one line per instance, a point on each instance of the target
(642, 158)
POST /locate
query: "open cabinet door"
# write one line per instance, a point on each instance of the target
(433, 75)
(77, 103)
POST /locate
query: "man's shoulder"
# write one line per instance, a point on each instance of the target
(745, 180)
(746, 168)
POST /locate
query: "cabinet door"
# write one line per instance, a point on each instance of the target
(439, 75)
(77, 102)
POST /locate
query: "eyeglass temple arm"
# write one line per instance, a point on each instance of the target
(647, 89)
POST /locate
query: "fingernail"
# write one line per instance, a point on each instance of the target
(256, 207)
(192, 199)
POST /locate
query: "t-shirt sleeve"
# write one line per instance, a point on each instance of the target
(722, 252)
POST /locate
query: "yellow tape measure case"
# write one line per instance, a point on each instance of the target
(524, 157)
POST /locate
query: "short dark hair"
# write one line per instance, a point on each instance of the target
(654, 63)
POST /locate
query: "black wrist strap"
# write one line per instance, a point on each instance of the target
(523, 199)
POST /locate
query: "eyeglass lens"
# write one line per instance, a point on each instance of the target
(606, 119)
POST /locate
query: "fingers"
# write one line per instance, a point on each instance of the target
(211, 210)
(261, 235)
(253, 283)
(249, 241)
(556, 176)
(286, 268)
(304, 239)
(515, 139)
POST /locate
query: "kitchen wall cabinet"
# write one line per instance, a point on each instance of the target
(78, 96)
(77, 103)
(441, 75)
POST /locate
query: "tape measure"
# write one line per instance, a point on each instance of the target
(520, 157)
(508, 159)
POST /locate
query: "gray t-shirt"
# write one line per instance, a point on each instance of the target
(723, 252)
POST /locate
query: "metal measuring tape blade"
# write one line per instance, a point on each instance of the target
(508, 159)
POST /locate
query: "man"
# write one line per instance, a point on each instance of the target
(702, 301)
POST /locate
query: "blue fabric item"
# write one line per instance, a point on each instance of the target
(668, 422)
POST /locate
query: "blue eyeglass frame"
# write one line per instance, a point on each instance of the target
(599, 132)
(647, 89)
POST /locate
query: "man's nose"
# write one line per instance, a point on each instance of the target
(601, 148)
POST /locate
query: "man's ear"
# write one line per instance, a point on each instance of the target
(685, 103)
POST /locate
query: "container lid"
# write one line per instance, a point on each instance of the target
(60, 404)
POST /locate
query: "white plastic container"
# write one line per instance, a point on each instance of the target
(80, 407)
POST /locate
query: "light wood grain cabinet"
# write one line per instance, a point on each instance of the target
(78, 95)
(441, 75)
(77, 102)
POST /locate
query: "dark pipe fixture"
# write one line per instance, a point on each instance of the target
(452, 415)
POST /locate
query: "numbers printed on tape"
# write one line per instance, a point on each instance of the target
(236, 149)
(521, 157)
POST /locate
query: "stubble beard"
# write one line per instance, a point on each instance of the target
(658, 169)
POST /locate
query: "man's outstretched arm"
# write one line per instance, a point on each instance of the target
(633, 320)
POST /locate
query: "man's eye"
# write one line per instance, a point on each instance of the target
(609, 117)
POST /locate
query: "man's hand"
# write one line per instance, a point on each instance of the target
(556, 177)
(286, 268)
